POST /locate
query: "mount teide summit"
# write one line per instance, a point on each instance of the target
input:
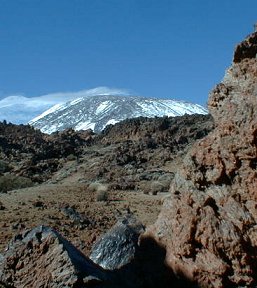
(96, 112)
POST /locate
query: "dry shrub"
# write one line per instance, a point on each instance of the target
(100, 189)
(94, 186)
(11, 182)
(166, 180)
(145, 187)
(101, 195)
(4, 166)
(156, 187)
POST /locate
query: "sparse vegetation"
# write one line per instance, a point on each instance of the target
(4, 166)
(101, 195)
(93, 186)
(166, 180)
(2, 208)
(71, 157)
(11, 182)
(156, 187)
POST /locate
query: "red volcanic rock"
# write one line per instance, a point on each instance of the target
(43, 258)
(246, 49)
(209, 224)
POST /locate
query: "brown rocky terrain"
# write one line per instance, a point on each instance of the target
(80, 183)
(208, 225)
(119, 158)
(27, 152)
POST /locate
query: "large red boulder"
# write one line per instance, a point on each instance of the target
(208, 225)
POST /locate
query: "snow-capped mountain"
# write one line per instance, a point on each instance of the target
(97, 111)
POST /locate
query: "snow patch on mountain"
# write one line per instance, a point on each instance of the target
(85, 125)
(102, 107)
(111, 122)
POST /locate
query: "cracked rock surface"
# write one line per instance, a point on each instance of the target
(208, 225)
(43, 258)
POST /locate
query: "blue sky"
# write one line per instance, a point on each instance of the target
(159, 48)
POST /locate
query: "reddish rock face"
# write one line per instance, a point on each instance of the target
(43, 258)
(209, 224)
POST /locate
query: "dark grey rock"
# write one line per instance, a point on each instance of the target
(119, 245)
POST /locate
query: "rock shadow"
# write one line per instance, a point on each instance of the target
(148, 269)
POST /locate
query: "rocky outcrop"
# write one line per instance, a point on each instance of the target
(246, 49)
(173, 132)
(43, 258)
(209, 223)
(34, 155)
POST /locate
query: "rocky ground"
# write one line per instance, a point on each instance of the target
(80, 183)
(73, 210)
